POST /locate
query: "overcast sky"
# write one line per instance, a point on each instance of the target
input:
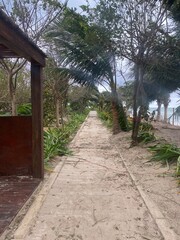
(77, 3)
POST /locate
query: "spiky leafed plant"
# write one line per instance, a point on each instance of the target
(166, 154)
(88, 51)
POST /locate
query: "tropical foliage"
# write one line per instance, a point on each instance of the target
(146, 137)
(24, 109)
(32, 17)
(165, 153)
(88, 50)
(142, 36)
(56, 139)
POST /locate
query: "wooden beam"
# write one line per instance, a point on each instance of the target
(6, 52)
(15, 40)
(14, 48)
(37, 121)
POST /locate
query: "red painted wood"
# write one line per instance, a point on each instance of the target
(15, 146)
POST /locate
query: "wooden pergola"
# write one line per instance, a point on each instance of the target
(15, 44)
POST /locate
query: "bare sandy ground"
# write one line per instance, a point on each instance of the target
(96, 196)
(169, 132)
(157, 181)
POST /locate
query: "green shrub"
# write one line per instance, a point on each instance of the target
(24, 109)
(123, 121)
(106, 117)
(165, 153)
(146, 137)
(145, 127)
(56, 139)
(178, 167)
(130, 124)
(55, 143)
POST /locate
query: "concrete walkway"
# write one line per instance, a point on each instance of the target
(92, 197)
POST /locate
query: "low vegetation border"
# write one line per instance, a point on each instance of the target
(56, 140)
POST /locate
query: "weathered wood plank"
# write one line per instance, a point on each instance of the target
(15, 191)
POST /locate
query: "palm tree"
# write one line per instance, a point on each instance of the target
(89, 53)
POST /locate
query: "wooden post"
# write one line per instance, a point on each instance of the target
(37, 120)
(173, 118)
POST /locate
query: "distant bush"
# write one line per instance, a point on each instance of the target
(106, 117)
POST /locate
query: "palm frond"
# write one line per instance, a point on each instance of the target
(78, 76)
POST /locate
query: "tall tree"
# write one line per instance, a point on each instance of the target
(32, 17)
(174, 8)
(22, 93)
(55, 94)
(136, 27)
(89, 51)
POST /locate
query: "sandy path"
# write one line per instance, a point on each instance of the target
(157, 181)
(168, 132)
(93, 197)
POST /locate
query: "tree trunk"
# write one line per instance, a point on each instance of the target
(13, 104)
(12, 91)
(115, 112)
(136, 117)
(158, 110)
(57, 112)
(165, 113)
(140, 101)
(136, 125)
(62, 112)
(118, 114)
(134, 129)
(115, 116)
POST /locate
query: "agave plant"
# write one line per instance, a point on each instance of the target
(165, 153)
(178, 167)
(146, 137)
(54, 143)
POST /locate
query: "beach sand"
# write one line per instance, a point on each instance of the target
(167, 131)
